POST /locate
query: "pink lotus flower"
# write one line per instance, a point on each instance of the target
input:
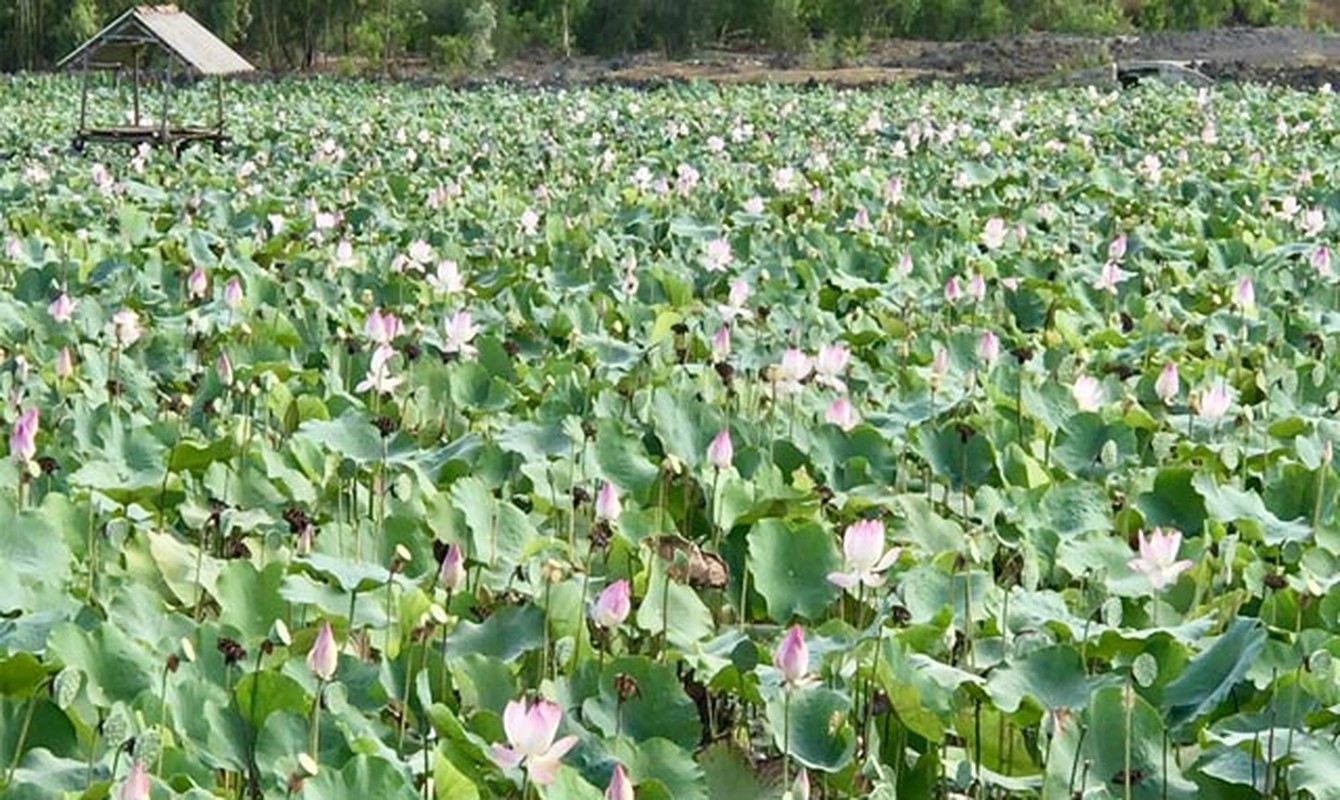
(977, 288)
(1117, 249)
(1110, 276)
(1321, 260)
(530, 222)
(232, 293)
(721, 343)
(735, 302)
(717, 255)
(461, 330)
(1168, 385)
(800, 787)
(792, 657)
(530, 736)
(381, 328)
(905, 264)
(1157, 559)
(126, 327)
(136, 785)
(324, 656)
(620, 787)
(1088, 393)
(1244, 295)
(612, 605)
(988, 348)
(608, 506)
(224, 369)
(953, 290)
(451, 574)
(62, 308)
(830, 363)
(1215, 401)
(64, 363)
(447, 278)
(865, 556)
(197, 284)
(23, 437)
(379, 378)
(720, 453)
(841, 413)
(939, 362)
(794, 368)
(993, 234)
(1312, 222)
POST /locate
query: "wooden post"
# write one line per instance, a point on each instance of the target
(218, 89)
(83, 97)
(135, 119)
(167, 90)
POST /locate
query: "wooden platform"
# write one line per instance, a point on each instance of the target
(176, 137)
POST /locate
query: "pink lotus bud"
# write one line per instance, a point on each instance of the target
(64, 363)
(324, 656)
(232, 293)
(1321, 260)
(224, 368)
(800, 788)
(23, 438)
(988, 348)
(62, 308)
(977, 288)
(1244, 296)
(1117, 249)
(953, 291)
(720, 453)
(608, 506)
(136, 785)
(126, 327)
(620, 787)
(1088, 393)
(612, 605)
(452, 572)
(841, 413)
(197, 285)
(721, 343)
(1167, 386)
(792, 657)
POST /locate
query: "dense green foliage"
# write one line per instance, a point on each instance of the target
(251, 399)
(286, 34)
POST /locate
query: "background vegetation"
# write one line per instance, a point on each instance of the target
(463, 34)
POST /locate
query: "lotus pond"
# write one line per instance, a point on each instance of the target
(683, 444)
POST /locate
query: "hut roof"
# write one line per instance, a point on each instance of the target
(167, 26)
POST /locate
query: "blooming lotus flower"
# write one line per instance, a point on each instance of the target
(754, 206)
(1312, 222)
(62, 308)
(993, 233)
(830, 363)
(530, 222)
(197, 284)
(379, 378)
(893, 191)
(530, 736)
(64, 363)
(1244, 295)
(324, 656)
(717, 255)
(126, 327)
(608, 506)
(1215, 401)
(461, 332)
(448, 278)
(1167, 385)
(1117, 249)
(612, 605)
(136, 784)
(988, 348)
(381, 328)
(841, 413)
(620, 787)
(735, 302)
(1088, 393)
(232, 293)
(720, 453)
(23, 437)
(794, 368)
(451, 574)
(1110, 276)
(420, 252)
(1157, 559)
(721, 343)
(224, 369)
(864, 556)
(792, 656)
(1321, 260)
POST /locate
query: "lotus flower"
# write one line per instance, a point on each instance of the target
(197, 284)
(379, 378)
(720, 453)
(612, 605)
(794, 368)
(721, 343)
(717, 255)
(988, 348)
(977, 288)
(1312, 222)
(1167, 385)
(530, 736)
(841, 413)
(23, 437)
(830, 363)
(864, 556)
(1110, 276)
(451, 574)
(1244, 295)
(1088, 393)
(530, 222)
(1117, 249)
(608, 506)
(792, 656)
(1157, 559)
(620, 787)
(448, 278)
(64, 363)
(136, 784)
(381, 328)
(232, 293)
(1321, 260)
(224, 369)
(1215, 400)
(800, 787)
(420, 252)
(126, 327)
(62, 308)
(953, 290)
(993, 234)
(734, 307)
(461, 330)
(324, 656)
